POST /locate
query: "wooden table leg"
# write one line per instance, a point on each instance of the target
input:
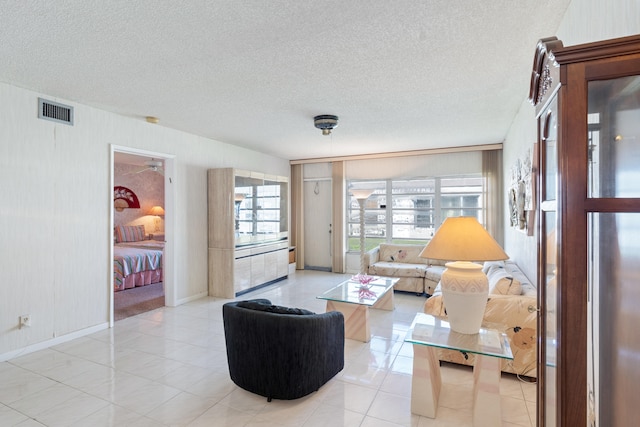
(356, 319)
(425, 381)
(386, 302)
(486, 392)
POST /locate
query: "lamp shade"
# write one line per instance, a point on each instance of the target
(463, 239)
(157, 211)
(361, 193)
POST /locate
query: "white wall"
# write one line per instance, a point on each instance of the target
(54, 224)
(584, 21)
(521, 137)
(588, 21)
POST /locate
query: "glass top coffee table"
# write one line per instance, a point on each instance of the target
(490, 346)
(353, 300)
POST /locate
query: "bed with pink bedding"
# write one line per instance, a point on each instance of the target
(136, 262)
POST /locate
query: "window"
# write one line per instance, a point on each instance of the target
(410, 210)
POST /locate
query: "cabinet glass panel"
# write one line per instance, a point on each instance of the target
(614, 137)
(551, 332)
(260, 210)
(614, 341)
(550, 132)
(548, 282)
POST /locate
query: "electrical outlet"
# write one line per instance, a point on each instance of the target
(25, 320)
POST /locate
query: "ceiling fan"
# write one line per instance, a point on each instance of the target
(151, 165)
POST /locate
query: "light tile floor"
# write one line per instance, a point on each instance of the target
(168, 368)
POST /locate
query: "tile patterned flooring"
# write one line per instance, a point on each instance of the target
(168, 367)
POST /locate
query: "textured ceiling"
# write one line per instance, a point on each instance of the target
(401, 75)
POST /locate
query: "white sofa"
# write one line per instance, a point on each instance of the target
(416, 274)
(511, 308)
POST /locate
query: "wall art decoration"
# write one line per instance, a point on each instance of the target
(522, 192)
(124, 198)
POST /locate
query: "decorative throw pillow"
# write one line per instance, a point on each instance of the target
(130, 233)
(270, 308)
(500, 282)
(409, 254)
(387, 253)
(495, 269)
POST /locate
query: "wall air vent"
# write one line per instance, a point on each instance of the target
(54, 111)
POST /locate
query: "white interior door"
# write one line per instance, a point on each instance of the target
(317, 225)
(168, 267)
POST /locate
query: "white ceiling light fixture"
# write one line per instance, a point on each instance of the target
(326, 123)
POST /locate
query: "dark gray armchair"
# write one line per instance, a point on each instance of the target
(280, 352)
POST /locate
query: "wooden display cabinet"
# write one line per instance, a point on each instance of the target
(248, 230)
(587, 100)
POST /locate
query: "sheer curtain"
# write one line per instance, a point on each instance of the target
(493, 194)
(338, 216)
(297, 218)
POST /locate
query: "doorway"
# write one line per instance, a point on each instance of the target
(151, 173)
(317, 225)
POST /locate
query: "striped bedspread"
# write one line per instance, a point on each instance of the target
(143, 244)
(129, 260)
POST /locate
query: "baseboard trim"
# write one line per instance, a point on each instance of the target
(54, 341)
(191, 298)
(271, 282)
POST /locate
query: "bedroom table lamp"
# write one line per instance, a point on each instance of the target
(465, 287)
(361, 196)
(157, 211)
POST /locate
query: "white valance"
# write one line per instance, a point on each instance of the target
(428, 165)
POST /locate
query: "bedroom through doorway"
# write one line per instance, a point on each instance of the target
(139, 218)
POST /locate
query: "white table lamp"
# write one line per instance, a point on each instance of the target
(465, 287)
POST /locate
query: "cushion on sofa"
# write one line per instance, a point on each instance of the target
(490, 264)
(397, 269)
(260, 305)
(502, 282)
(434, 272)
(409, 254)
(528, 287)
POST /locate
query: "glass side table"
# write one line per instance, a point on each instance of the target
(353, 300)
(428, 333)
